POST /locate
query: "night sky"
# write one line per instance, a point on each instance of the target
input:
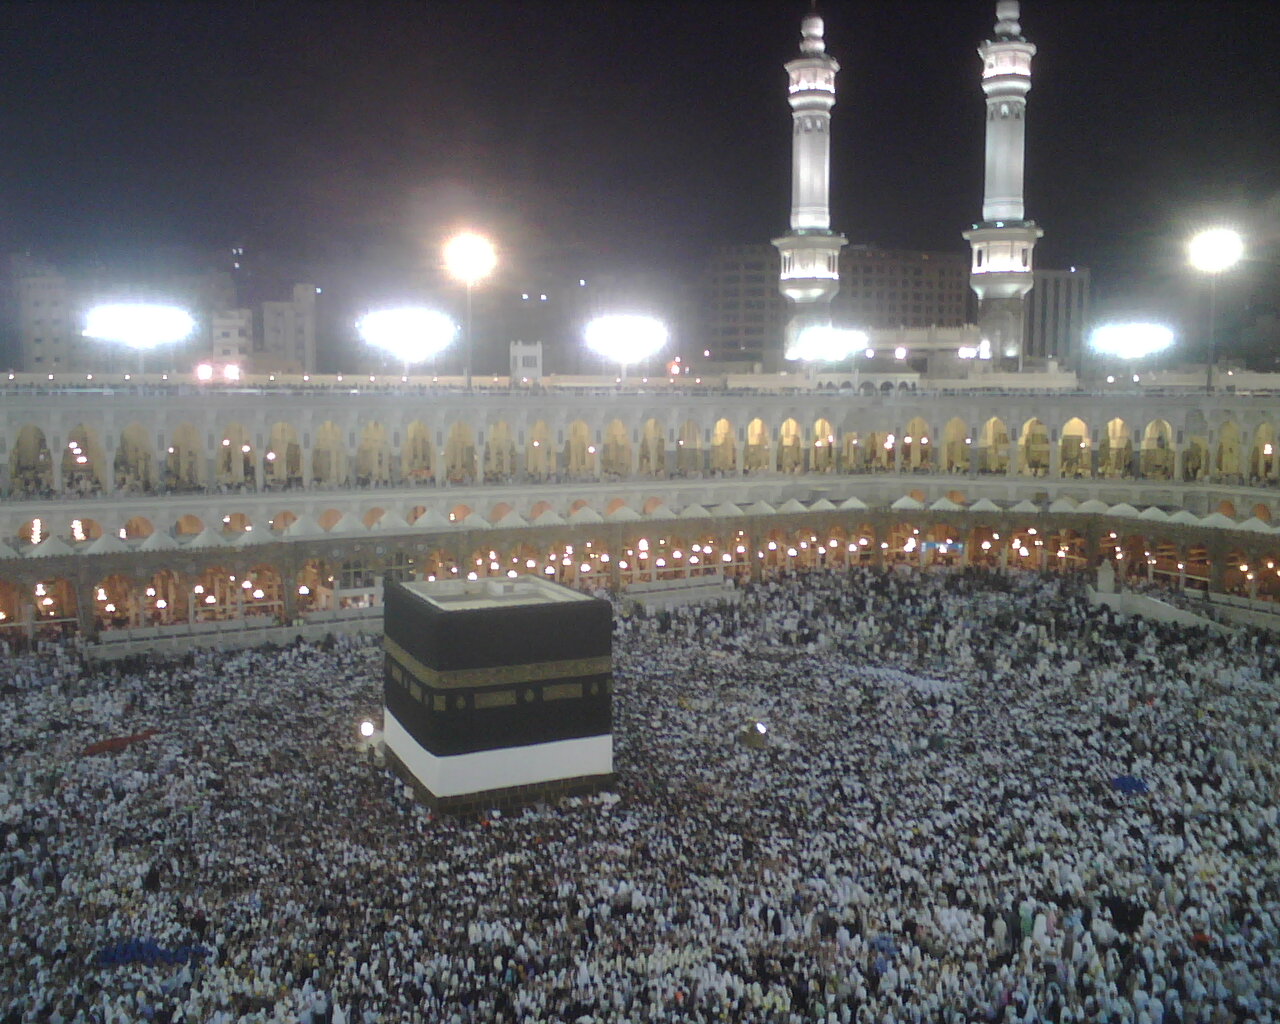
(638, 131)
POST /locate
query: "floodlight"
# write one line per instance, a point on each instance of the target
(469, 257)
(1215, 250)
(366, 728)
(1131, 341)
(139, 325)
(411, 334)
(626, 338)
(825, 344)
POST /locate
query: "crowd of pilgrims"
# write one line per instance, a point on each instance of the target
(929, 831)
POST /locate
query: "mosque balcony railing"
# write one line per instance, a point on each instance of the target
(878, 492)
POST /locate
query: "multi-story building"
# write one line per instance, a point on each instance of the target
(743, 317)
(890, 288)
(231, 336)
(1058, 315)
(47, 336)
(286, 341)
(741, 312)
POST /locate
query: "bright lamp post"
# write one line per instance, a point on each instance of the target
(626, 339)
(1212, 252)
(409, 334)
(822, 343)
(1130, 342)
(469, 258)
(140, 326)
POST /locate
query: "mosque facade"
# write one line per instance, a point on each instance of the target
(167, 512)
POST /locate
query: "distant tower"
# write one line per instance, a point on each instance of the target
(810, 251)
(1001, 272)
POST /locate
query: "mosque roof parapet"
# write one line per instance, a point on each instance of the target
(49, 547)
(206, 539)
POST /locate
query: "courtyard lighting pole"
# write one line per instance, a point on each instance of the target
(469, 258)
(626, 339)
(140, 326)
(409, 334)
(1212, 252)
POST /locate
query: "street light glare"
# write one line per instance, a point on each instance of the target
(1130, 341)
(410, 333)
(139, 325)
(824, 344)
(626, 338)
(469, 257)
(1215, 250)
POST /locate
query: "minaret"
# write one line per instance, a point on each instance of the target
(1002, 242)
(810, 251)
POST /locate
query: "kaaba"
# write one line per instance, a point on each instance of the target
(497, 693)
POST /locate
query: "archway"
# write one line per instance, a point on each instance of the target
(115, 604)
(993, 447)
(756, 458)
(329, 456)
(235, 456)
(1073, 450)
(164, 600)
(184, 469)
(1156, 459)
(86, 530)
(917, 447)
(134, 463)
(313, 586)
(188, 526)
(83, 462)
(499, 454)
(539, 459)
(1228, 455)
(653, 449)
(1262, 455)
(138, 528)
(724, 449)
(1195, 459)
(460, 454)
(943, 545)
(215, 596)
(956, 443)
(689, 450)
(30, 464)
(615, 460)
(283, 458)
(416, 459)
(1115, 451)
(579, 452)
(790, 447)
(262, 593)
(1033, 449)
(823, 458)
(373, 457)
(880, 450)
(853, 452)
(55, 606)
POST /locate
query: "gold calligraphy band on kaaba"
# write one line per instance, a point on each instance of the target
(498, 675)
